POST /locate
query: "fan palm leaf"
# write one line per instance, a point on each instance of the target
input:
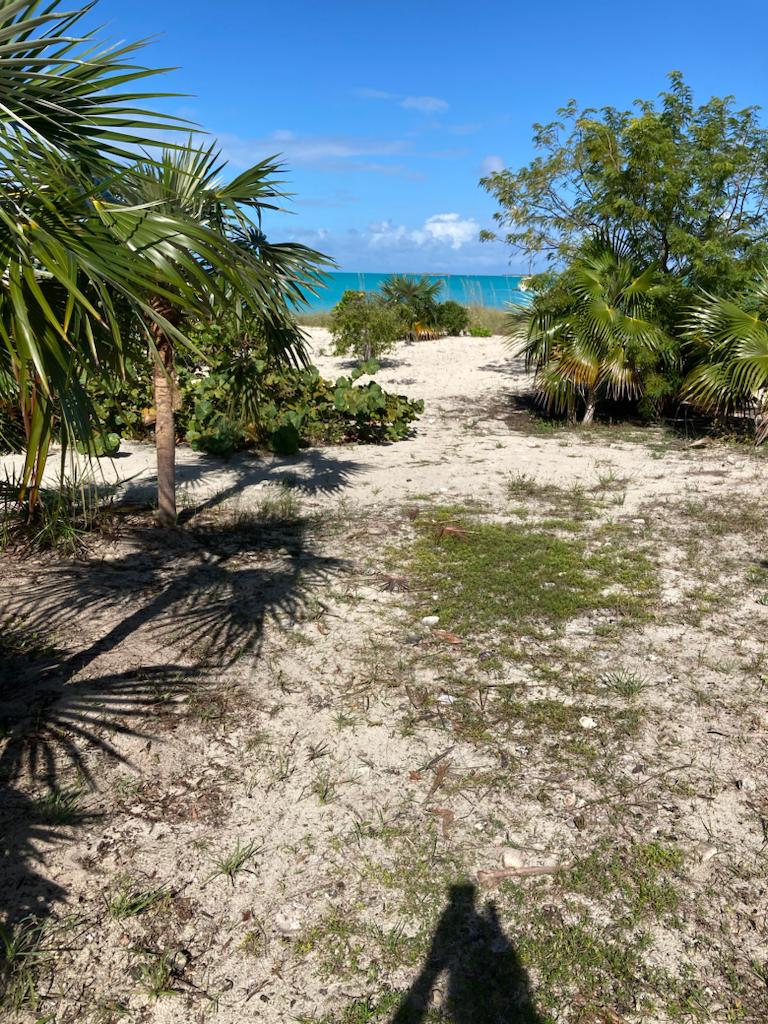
(729, 340)
(595, 333)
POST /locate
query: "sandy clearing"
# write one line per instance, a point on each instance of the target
(462, 447)
(321, 742)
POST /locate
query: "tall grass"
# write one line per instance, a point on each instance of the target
(494, 320)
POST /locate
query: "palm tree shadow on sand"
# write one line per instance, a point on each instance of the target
(485, 983)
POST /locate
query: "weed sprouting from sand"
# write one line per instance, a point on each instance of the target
(231, 864)
(60, 806)
(23, 951)
(624, 683)
(155, 975)
(129, 900)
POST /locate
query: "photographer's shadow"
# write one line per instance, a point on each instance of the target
(484, 981)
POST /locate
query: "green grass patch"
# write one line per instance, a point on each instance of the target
(637, 883)
(495, 583)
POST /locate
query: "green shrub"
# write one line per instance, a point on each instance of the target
(365, 326)
(478, 331)
(452, 317)
(241, 397)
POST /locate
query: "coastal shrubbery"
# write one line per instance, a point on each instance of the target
(231, 394)
(369, 324)
(656, 227)
(365, 326)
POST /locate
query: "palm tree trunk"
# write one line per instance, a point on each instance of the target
(165, 426)
(589, 412)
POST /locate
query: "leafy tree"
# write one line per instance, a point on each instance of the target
(687, 185)
(451, 317)
(415, 296)
(729, 342)
(596, 334)
(365, 326)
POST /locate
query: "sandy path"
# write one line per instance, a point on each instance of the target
(257, 685)
(463, 446)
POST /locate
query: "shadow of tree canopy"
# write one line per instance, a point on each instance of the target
(485, 983)
(311, 470)
(160, 616)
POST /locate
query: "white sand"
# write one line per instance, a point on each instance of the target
(462, 446)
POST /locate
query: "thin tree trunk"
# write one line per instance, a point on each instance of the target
(761, 419)
(589, 412)
(165, 426)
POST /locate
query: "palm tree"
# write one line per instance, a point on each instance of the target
(729, 340)
(416, 296)
(596, 333)
(82, 270)
(244, 268)
(70, 116)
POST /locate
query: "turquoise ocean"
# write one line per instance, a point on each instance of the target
(495, 290)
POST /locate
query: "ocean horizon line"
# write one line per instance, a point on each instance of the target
(492, 290)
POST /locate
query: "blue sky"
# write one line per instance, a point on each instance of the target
(388, 114)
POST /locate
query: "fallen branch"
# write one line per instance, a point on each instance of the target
(492, 877)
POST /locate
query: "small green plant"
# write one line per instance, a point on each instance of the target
(255, 942)
(366, 326)
(324, 787)
(231, 864)
(60, 806)
(624, 683)
(479, 331)
(130, 901)
(22, 954)
(156, 976)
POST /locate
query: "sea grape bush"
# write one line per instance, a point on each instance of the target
(234, 395)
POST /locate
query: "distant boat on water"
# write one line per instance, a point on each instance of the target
(493, 290)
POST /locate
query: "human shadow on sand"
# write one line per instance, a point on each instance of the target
(484, 981)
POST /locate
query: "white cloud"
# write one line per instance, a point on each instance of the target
(316, 150)
(450, 228)
(441, 230)
(492, 164)
(443, 243)
(375, 94)
(425, 104)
